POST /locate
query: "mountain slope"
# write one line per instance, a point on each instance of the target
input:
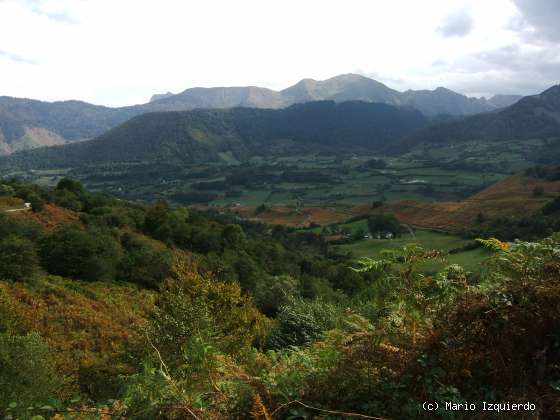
(531, 117)
(26, 123)
(345, 87)
(201, 135)
(218, 97)
(445, 101)
(502, 101)
(512, 196)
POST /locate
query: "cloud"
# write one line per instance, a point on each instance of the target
(15, 57)
(511, 68)
(456, 24)
(538, 20)
(61, 17)
(46, 9)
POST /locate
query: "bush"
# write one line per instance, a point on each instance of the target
(72, 252)
(6, 191)
(274, 292)
(27, 372)
(72, 185)
(18, 259)
(67, 199)
(301, 322)
(379, 223)
(192, 307)
(156, 216)
(37, 203)
(144, 263)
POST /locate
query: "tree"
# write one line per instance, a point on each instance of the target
(67, 199)
(274, 292)
(37, 203)
(233, 236)
(156, 216)
(18, 259)
(379, 223)
(72, 252)
(6, 191)
(71, 185)
(143, 263)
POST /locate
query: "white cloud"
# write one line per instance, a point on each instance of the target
(457, 24)
(121, 52)
(16, 58)
(539, 20)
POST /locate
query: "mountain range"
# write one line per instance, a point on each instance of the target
(532, 117)
(26, 123)
(346, 87)
(205, 135)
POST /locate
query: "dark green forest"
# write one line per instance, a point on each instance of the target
(200, 135)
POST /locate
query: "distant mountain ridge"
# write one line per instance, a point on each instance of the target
(345, 87)
(203, 135)
(27, 123)
(532, 117)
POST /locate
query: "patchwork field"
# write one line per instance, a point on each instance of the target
(427, 173)
(509, 197)
(512, 196)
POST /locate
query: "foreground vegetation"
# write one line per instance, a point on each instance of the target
(151, 312)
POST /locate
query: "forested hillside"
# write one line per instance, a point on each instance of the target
(533, 117)
(201, 135)
(119, 309)
(27, 124)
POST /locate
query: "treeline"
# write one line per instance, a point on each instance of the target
(120, 240)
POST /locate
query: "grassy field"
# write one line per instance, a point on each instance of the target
(470, 260)
(427, 173)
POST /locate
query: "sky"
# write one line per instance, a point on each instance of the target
(120, 52)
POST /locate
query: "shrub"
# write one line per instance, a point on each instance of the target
(301, 322)
(6, 191)
(379, 223)
(143, 263)
(18, 259)
(273, 292)
(27, 372)
(75, 253)
(193, 307)
(72, 185)
(37, 203)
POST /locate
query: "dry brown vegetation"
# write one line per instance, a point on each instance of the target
(510, 197)
(50, 217)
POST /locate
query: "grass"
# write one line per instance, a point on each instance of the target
(446, 169)
(470, 260)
